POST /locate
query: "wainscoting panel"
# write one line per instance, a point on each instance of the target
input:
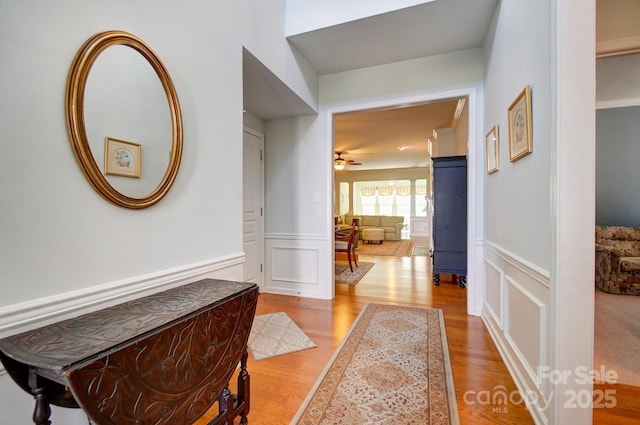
(515, 311)
(494, 301)
(297, 265)
(420, 226)
(525, 330)
(285, 260)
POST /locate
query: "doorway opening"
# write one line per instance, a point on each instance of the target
(375, 136)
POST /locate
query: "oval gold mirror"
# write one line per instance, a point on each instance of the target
(117, 115)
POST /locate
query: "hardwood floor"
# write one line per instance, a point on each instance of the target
(280, 384)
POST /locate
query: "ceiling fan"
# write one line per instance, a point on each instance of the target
(339, 162)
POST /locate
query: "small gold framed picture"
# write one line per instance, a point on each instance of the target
(520, 131)
(492, 150)
(122, 158)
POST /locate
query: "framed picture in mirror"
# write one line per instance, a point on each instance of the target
(122, 158)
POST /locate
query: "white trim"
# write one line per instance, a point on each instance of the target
(618, 103)
(296, 236)
(474, 280)
(572, 190)
(538, 273)
(40, 312)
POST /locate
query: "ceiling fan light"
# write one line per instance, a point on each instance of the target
(339, 164)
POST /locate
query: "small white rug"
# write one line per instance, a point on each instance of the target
(275, 334)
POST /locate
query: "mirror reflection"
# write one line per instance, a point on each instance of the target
(125, 101)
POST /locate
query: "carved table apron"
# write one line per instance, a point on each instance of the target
(161, 359)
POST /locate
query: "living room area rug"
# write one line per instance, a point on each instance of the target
(275, 334)
(401, 248)
(343, 273)
(391, 368)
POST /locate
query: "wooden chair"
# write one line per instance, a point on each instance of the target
(355, 222)
(346, 243)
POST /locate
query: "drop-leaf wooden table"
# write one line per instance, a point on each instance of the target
(161, 359)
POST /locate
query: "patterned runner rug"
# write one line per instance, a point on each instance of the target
(402, 248)
(275, 334)
(392, 368)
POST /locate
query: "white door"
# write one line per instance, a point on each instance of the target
(252, 204)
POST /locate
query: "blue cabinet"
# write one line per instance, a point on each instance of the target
(450, 218)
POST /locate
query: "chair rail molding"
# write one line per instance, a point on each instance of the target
(43, 311)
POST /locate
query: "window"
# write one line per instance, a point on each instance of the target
(383, 198)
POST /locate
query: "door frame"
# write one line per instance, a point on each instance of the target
(475, 209)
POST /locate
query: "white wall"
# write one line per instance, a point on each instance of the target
(538, 227)
(617, 98)
(262, 25)
(56, 220)
(517, 227)
(617, 174)
(297, 260)
(520, 222)
(65, 250)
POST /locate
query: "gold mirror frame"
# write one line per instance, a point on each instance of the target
(74, 102)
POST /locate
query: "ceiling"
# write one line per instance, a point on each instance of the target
(372, 137)
(427, 29)
(391, 138)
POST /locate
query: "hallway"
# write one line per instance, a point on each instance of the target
(280, 384)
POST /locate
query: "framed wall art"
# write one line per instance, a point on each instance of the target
(492, 148)
(520, 131)
(122, 158)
